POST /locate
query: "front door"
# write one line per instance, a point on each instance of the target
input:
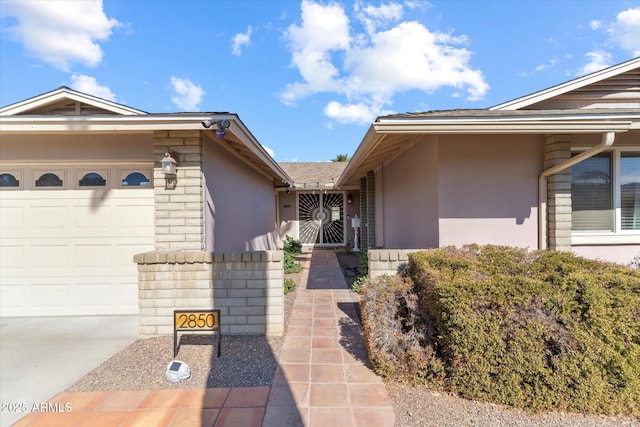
(321, 218)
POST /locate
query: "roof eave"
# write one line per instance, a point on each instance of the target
(66, 93)
(563, 88)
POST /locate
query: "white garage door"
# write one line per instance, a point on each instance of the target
(70, 252)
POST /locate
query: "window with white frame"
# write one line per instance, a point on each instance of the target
(605, 193)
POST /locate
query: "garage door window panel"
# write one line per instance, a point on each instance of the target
(136, 179)
(92, 178)
(50, 179)
(10, 180)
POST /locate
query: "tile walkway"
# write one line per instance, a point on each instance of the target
(322, 378)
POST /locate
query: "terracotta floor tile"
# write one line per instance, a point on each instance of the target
(329, 395)
(327, 343)
(368, 395)
(302, 343)
(163, 399)
(289, 395)
(326, 356)
(283, 416)
(294, 356)
(240, 417)
(189, 417)
(205, 398)
(299, 331)
(292, 372)
(300, 321)
(151, 417)
(325, 332)
(55, 419)
(245, 397)
(121, 401)
(324, 322)
(323, 314)
(102, 419)
(357, 373)
(327, 374)
(374, 417)
(341, 417)
(81, 401)
(301, 312)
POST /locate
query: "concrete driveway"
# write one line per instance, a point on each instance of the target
(40, 357)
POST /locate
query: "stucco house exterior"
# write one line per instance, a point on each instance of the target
(557, 169)
(82, 192)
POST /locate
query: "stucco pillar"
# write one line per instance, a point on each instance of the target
(371, 210)
(179, 207)
(557, 149)
(363, 213)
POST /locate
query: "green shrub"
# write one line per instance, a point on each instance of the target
(358, 282)
(290, 264)
(538, 330)
(289, 285)
(292, 245)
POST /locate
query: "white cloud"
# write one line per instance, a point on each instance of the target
(374, 17)
(369, 68)
(598, 60)
(269, 151)
(594, 25)
(625, 31)
(60, 32)
(89, 85)
(240, 40)
(324, 29)
(186, 95)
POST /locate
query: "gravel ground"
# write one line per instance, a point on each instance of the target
(252, 361)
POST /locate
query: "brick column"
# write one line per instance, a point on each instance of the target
(557, 149)
(179, 211)
(371, 210)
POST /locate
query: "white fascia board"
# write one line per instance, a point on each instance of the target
(106, 123)
(503, 127)
(242, 132)
(370, 140)
(64, 93)
(563, 88)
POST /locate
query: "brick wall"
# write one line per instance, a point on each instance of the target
(179, 208)
(557, 149)
(387, 261)
(247, 288)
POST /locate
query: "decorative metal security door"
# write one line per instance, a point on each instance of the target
(321, 218)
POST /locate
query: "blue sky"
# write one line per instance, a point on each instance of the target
(308, 77)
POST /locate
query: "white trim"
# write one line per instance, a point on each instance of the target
(578, 239)
(563, 88)
(70, 94)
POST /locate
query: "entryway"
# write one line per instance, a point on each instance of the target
(321, 218)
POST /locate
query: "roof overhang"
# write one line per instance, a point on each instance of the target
(389, 136)
(572, 85)
(66, 94)
(238, 139)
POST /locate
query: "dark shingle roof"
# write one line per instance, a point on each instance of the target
(313, 174)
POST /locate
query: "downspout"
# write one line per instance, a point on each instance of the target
(607, 141)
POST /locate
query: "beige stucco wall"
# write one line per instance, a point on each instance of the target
(488, 189)
(239, 199)
(69, 148)
(287, 208)
(622, 254)
(410, 198)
